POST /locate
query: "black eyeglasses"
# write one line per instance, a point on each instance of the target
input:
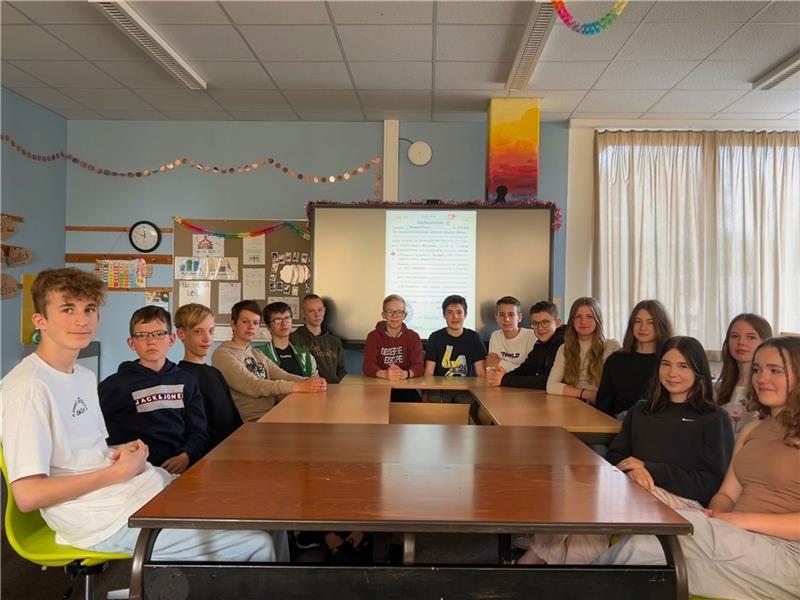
(282, 320)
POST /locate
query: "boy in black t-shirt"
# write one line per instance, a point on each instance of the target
(195, 327)
(455, 351)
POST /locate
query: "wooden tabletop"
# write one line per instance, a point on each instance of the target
(407, 478)
(359, 399)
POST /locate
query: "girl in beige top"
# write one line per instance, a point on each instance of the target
(747, 543)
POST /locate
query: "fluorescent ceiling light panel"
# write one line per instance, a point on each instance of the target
(540, 23)
(780, 73)
(148, 39)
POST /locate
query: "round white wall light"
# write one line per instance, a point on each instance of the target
(419, 154)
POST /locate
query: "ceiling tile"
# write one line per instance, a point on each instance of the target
(198, 13)
(234, 74)
(382, 13)
(101, 42)
(695, 101)
(330, 100)
(703, 12)
(131, 115)
(11, 16)
(400, 115)
(494, 43)
(79, 115)
(644, 75)
(140, 74)
(206, 42)
(292, 42)
(179, 100)
(250, 99)
(50, 98)
(766, 101)
(463, 101)
(264, 115)
(69, 73)
(675, 41)
(104, 99)
(392, 75)
(606, 115)
(471, 75)
(331, 117)
(61, 12)
(566, 75)
(780, 12)
(198, 115)
(460, 117)
(278, 13)
(770, 41)
(14, 77)
(722, 75)
(677, 116)
(484, 13)
(558, 100)
(396, 101)
(749, 116)
(566, 45)
(30, 41)
(387, 42)
(310, 75)
(618, 101)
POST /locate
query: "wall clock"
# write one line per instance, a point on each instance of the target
(144, 236)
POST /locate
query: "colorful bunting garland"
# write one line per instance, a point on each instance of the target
(303, 233)
(594, 27)
(555, 211)
(187, 162)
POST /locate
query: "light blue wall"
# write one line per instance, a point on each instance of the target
(553, 156)
(35, 191)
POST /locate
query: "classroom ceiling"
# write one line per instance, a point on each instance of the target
(412, 60)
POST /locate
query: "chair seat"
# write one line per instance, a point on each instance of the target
(40, 547)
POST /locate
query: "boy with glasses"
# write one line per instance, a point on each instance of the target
(153, 400)
(534, 371)
(292, 359)
(509, 346)
(392, 350)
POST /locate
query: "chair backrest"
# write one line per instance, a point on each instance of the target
(20, 526)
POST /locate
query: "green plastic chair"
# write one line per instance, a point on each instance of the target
(33, 540)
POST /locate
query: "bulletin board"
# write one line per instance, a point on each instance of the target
(218, 271)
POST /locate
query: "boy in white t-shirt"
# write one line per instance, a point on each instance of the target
(509, 346)
(53, 438)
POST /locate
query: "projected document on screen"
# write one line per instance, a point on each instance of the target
(430, 254)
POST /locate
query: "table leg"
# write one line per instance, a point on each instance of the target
(409, 548)
(674, 555)
(141, 554)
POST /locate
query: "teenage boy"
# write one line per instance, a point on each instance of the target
(153, 400)
(534, 371)
(455, 351)
(256, 381)
(326, 347)
(509, 346)
(54, 441)
(194, 324)
(292, 359)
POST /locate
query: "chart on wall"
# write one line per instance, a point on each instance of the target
(218, 262)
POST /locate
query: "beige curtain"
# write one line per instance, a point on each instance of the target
(706, 222)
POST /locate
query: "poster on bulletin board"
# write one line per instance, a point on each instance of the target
(219, 271)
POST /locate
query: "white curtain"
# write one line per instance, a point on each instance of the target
(707, 222)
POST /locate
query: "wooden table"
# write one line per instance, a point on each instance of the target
(360, 399)
(408, 479)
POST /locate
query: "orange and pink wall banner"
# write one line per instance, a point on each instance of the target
(512, 164)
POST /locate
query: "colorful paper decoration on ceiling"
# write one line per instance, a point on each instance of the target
(594, 27)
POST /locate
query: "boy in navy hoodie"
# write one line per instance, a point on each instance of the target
(153, 400)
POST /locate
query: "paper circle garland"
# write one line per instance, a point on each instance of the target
(594, 27)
